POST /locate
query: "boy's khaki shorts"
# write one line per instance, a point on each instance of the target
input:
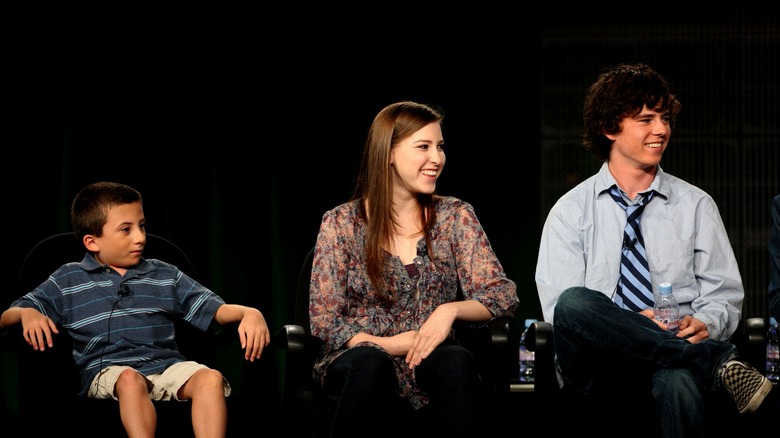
(163, 386)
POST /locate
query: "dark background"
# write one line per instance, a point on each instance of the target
(242, 128)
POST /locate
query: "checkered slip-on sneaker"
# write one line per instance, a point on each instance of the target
(747, 386)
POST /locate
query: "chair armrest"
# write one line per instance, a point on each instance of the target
(756, 332)
(489, 342)
(299, 350)
(11, 338)
(503, 355)
(750, 340)
(499, 332)
(539, 339)
(203, 346)
(224, 336)
(52, 371)
(292, 338)
(753, 347)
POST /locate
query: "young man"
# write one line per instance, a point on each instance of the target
(586, 277)
(117, 307)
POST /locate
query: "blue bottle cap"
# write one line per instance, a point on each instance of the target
(529, 321)
(665, 288)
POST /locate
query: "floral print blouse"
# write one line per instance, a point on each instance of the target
(342, 303)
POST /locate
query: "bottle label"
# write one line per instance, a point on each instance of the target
(772, 355)
(668, 317)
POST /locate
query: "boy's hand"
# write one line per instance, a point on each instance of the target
(37, 329)
(252, 329)
(253, 333)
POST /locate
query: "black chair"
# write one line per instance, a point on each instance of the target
(308, 411)
(615, 413)
(48, 381)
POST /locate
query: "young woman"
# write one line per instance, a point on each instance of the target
(387, 269)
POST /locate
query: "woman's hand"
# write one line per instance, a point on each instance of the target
(432, 333)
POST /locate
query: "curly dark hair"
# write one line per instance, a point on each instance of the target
(622, 91)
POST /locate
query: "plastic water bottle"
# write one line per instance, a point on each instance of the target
(666, 309)
(772, 352)
(527, 357)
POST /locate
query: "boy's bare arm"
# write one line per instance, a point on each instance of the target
(252, 328)
(37, 328)
(10, 317)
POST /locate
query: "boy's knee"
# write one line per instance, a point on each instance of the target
(210, 378)
(131, 379)
(203, 382)
(130, 376)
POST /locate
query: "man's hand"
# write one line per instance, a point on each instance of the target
(690, 328)
(693, 329)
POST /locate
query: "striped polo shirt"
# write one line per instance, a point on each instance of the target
(122, 320)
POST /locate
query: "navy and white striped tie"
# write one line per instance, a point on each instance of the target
(634, 291)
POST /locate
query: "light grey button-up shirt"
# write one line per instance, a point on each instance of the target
(686, 242)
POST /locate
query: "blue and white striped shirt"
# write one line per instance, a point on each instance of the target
(122, 320)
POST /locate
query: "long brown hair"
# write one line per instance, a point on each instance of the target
(392, 124)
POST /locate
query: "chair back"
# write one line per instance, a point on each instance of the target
(299, 383)
(56, 250)
(301, 316)
(53, 372)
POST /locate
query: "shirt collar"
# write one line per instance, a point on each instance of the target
(89, 263)
(605, 180)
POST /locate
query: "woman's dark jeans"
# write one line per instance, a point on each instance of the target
(363, 380)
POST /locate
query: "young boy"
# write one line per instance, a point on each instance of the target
(118, 308)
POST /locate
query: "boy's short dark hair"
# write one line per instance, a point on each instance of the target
(90, 207)
(619, 92)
